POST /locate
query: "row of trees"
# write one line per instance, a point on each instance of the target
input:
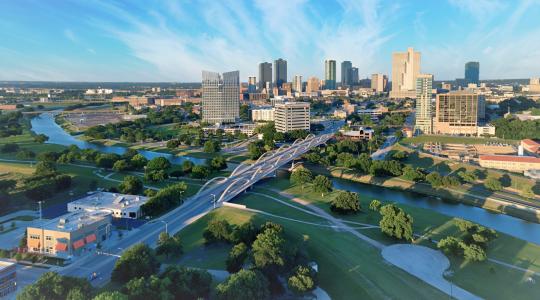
(270, 253)
(473, 243)
(11, 124)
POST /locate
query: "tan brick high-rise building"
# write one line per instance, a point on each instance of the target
(456, 113)
(378, 82)
(292, 116)
(313, 85)
(405, 69)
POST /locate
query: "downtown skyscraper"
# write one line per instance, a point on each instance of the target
(405, 69)
(297, 83)
(280, 72)
(220, 97)
(472, 72)
(329, 74)
(265, 76)
(346, 73)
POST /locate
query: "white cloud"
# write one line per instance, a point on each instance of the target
(68, 33)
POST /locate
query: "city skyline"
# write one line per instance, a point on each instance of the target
(117, 41)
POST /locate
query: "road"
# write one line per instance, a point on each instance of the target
(216, 190)
(384, 149)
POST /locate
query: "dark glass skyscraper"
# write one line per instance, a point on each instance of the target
(472, 72)
(265, 75)
(346, 67)
(280, 72)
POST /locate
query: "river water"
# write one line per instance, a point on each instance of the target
(45, 124)
(525, 230)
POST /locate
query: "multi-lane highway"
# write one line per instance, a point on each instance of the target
(211, 194)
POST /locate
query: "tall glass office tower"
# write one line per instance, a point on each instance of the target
(329, 74)
(280, 72)
(472, 72)
(220, 97)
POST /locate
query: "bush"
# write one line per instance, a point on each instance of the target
(345, 202)
(375, 205)
(303, 280)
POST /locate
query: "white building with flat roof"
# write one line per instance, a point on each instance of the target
(262, 114)
(120, 205)
(292, 116)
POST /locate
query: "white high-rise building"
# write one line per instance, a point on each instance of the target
(262, 114)
(424, 116)
(405, 69)
(290, 116)
(220, 97)
(297, 83)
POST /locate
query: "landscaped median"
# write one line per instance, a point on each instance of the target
(455, 194)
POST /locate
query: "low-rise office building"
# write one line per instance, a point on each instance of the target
(357, 134)
(292, 116)
(262, 114)
(510, 162)
(8, 278)
(120, 205)
(70, 234)
(530, 146)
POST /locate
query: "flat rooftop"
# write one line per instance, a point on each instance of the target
(75, 220)
(106, 200)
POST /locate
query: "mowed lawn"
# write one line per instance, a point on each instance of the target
(348, 268)
(493, 281)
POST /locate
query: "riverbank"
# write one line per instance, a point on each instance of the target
(487, 202)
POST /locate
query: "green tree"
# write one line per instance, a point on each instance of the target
(45, 168)
(256, 149)
(52, 285)
(7, 185)
(244, 285)
(435, 179)
(176, 173)
(106, 160)
(200, 172)
(322, 184)
(131, 185)
(395, 222)
(116, 295)
(375, 205)
(138, 161)
(301, 176)
(211, 146)
(165, 199)
(413, 174)
(237, 256)
(218, 163)
(169, 245)
(473, 252)
(121, 165)
(187, 165)
(345, 202)
(185, 283)
(41, 138)
(303, 280)
(270, 249)
(157, 164)
(137, 261)
(493, 184)
(218, 231)
(450, 245)
(467, 176)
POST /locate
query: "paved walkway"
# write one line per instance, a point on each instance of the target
(427, 264)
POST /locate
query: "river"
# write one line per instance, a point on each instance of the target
(45, 124)
(524, 230)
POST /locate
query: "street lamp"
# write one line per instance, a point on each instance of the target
(165, 222)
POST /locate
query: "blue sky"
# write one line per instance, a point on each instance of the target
(149, 40)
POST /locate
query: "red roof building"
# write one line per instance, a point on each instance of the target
(510, 162)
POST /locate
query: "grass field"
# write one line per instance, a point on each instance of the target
(454, 140)
(491, 280)
(348, 268)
